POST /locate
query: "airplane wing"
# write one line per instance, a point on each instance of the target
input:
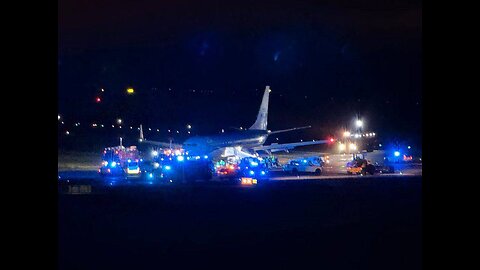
(275, 147)
(286, 130)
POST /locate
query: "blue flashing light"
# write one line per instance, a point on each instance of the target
(263, 172)
(150, 182)
(141, 160)
(168, 167)
(129, 160)
(150, 175)
(180, 158)
(113, 164)
(396, 153)
(304, 161)
(254, 163)
(205, 157)
(252, 172)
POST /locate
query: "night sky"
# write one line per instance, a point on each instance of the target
(206, 63)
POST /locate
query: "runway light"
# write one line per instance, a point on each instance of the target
(180, 158)
(396, 153)
(263, 172)
(154, 153)
(189, 126)
(130, 91)
(205, 157)
(119, 121)
(409, 147)
(150, 175)
(168, 167)
(253, 163)
(113, 164)
(59, 117)
(67, 132)
(252, 172)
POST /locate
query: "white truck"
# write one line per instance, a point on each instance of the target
(312, 165)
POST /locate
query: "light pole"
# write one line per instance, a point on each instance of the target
(359, 128)
(346, 136)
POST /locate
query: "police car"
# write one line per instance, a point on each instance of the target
(307, 165)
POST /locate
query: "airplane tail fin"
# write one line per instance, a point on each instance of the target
(261, 122)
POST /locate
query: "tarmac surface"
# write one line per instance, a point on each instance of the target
(328, 222)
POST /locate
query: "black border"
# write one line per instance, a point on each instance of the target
(35, 61)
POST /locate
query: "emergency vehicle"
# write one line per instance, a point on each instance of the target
(170, 167)
(120, 160)
(305, 165)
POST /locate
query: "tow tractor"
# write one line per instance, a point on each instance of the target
(361, 165)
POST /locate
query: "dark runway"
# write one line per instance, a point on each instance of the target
(366, 223)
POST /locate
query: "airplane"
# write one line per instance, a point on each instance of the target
(242, 142)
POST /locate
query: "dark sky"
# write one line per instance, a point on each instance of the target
(325, 62)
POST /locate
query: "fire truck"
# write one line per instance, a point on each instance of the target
(120, 160)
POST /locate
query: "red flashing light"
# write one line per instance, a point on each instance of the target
(98, 100)
(332, 140)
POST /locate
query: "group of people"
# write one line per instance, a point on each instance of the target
(271, 162)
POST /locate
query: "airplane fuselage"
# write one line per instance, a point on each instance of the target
(244, 139)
